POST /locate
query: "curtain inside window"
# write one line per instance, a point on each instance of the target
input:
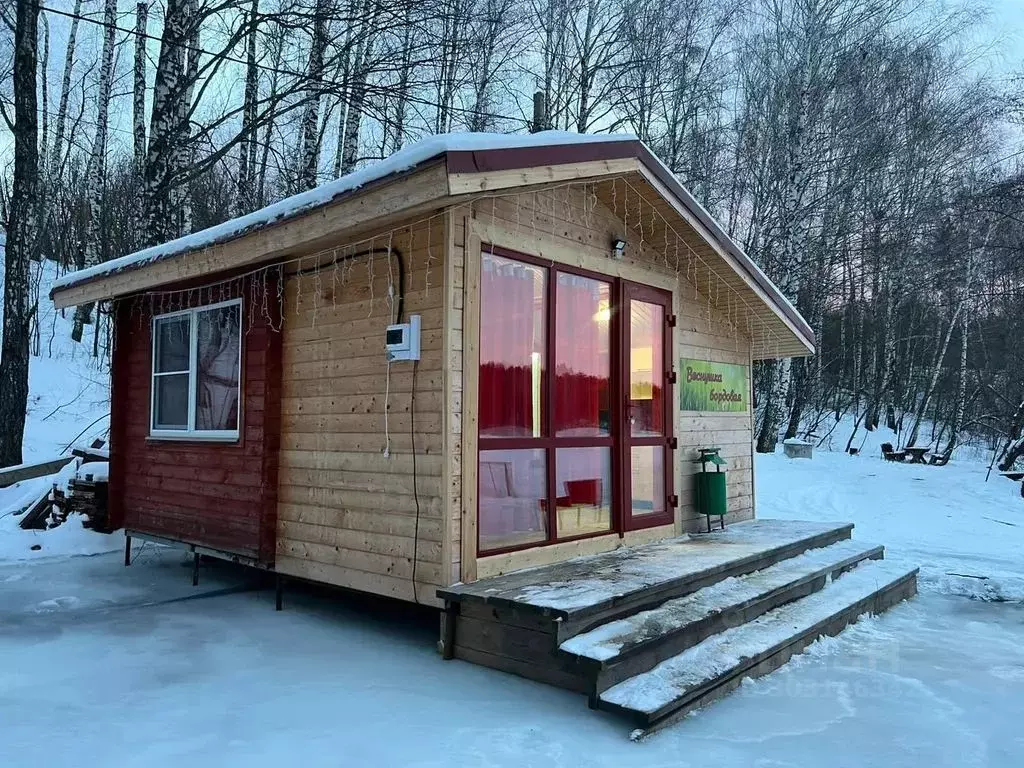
(511, 347)
(582, 357)
(217, 356)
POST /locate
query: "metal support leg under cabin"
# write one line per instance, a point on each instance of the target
(127, 551)
(448, 619)
(195, 569)
(278, 591)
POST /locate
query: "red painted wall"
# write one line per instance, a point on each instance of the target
(220, 495)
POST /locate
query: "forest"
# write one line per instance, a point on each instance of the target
(867, 154)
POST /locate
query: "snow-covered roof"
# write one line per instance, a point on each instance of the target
(465, 154)
(403, 160)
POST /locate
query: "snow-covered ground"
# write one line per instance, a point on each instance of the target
(966, 534)
(109, 662)
(69, 390)
(125, 667)
(69, 404)
(225, 680)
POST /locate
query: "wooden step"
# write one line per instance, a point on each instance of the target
(578, 595)
(621, 649)
(716, 666)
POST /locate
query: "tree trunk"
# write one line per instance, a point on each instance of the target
(44, 89)
(309, 151)
(96, 173)
(185, 149)
(961, 392)
(139, 87)
(160, 219)
(882, 326)
(21, 236)
(260, 172)
(798, 389)
(773, 394)
(926, 397)
(356, 101)
(60, 121)
(244, 192)
(404, 75)
(1014, 448)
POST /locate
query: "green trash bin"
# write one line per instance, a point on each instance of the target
(710, 487)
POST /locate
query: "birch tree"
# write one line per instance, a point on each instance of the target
(139, 87)
(21, 236)
(57, 151)
(96, 169)
(309, 151)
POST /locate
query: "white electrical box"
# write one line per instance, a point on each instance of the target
(402, 341)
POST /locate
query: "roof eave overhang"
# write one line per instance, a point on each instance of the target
(446, 179)
(420, 188)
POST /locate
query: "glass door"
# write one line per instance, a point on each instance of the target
(646, 453)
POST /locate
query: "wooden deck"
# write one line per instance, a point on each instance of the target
(618, 626)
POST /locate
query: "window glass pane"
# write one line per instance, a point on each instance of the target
(512, 308)
(171, 344)
(582, 357)
(170, 401)
(217, 355)
(583, 483)
(646, 369)
(647, 463)
(512, 498)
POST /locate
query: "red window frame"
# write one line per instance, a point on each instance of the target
(620, 293)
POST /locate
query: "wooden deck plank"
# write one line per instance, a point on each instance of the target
(15, 474)
(592, 585)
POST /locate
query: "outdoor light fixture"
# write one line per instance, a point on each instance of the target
(618, 248)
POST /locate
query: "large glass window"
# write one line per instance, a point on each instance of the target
(513, 498)
(583, 483)
(646, 355)
(647, 480)
(171, 374)
(512, 347)
(583, 368)
(196, 372)
(551, 404)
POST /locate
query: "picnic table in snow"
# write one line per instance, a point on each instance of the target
(915, 454)
(1016, 476)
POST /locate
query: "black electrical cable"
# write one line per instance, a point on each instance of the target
(415, 492)
(412, 402)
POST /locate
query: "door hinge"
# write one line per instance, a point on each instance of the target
(673, 443)
(671, 377)
(671, 320)
(673, 501)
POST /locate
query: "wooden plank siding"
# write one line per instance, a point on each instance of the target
(221, 495)
(349, 515)
(574, 226)
(698, 337)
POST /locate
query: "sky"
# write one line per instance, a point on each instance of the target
(1007, 21)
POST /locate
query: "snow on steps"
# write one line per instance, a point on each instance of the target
(719, 664)
(622, 648)
(589, 591)
(598, 624)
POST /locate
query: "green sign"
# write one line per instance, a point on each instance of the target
(712, 386)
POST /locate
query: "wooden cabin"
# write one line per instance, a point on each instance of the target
(482, 354)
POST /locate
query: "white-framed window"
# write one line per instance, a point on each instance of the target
(197, 366)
